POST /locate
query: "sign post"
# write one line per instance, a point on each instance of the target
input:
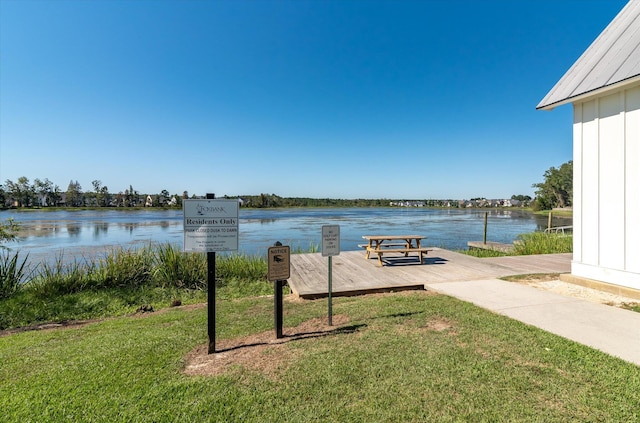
(330, 248)
(210, 225)
(279, 270)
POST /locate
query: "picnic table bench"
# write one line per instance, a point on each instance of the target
(403, 244)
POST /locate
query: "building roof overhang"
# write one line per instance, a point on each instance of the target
(611, 62)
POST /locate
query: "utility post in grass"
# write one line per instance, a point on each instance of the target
(330, 247)
(210, 226)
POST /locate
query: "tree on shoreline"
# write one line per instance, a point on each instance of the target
(43, 190)
(21, 191)
(74, 194)
(557, 188)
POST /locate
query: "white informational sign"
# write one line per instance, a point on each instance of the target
(210, 225)
(330, 240)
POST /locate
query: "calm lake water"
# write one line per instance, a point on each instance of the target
(45, 235)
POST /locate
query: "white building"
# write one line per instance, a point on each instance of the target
(604, 87)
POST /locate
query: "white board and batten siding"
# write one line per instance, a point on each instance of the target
(607, 187)
(604, 87)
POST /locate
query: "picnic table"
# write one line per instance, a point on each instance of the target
(403, 244)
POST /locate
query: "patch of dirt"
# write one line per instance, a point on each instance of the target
(48, 326)
(262, 352)
(535, 277)
(267, 355)
(79, 323)
(141, 312)
(553, 284)
(439, 325)
(589, 294)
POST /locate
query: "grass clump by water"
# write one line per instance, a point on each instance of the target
(528, 244)
(125, 268)
(482, 253)
(175, 268)
(13, 272)
(543, 243)
(119, 283)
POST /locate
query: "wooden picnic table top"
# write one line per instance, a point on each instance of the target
(392, 237)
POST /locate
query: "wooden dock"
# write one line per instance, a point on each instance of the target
(353, 274)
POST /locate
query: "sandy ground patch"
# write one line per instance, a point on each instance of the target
(576, 291)
(262, 352)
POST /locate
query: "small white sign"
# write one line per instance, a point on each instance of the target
(330, 240)
(210, 225)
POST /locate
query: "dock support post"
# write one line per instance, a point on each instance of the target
(486, 214)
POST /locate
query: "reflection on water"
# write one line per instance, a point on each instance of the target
(73, 229)
(130, 226)
(45, 234)
(100, 230)
(262, 221)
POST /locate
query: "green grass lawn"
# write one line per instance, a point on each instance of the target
(403, 357)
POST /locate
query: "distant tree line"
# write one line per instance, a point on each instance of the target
(273, 200)
(555, 191)
(44, 193)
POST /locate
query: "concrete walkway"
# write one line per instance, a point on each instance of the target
(609, 329)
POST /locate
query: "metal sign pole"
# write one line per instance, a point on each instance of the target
(277, 302)
(279, 270)
(210, 226)
(211, 295)
(277, 299)
(330, 247)
(211, 301)
(330, 300)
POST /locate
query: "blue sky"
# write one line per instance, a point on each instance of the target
(340, 99)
